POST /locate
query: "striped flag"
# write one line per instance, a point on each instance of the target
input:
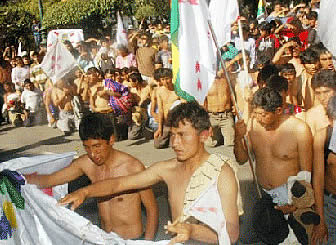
(261, 14)
(194, 56)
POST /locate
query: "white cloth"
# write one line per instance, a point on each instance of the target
(197, 56)
(121, 32)
(43, 221)
(32, 100)
(73, 35)
(58, 61)
(19, 74)
(332, 144)
(208, 209)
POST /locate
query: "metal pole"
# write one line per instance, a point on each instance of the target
(43, 34)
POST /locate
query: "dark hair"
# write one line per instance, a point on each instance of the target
(136, 77)
(331, 109)
(278, 83)
(125, 70)
(109, 71)
(157, 74)
(133, 69)
(268, 99)
(166, 72)
(164, 38)
(309, 56)
(263, 60)
(287, 68)
(189, 112)
(93, 70)
(312, 15)
(95, 126)
(27, 81)
(265, 26)
(267, 72)
(325, 78)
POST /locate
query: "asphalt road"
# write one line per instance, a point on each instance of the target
(24, 142)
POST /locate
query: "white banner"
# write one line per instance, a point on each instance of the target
(326, 25)
(121, 33)
(73, 35)
(197, 53)
(58, 61)
(223, 13)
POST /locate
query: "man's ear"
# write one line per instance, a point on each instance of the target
(205, 134)
(112, 140)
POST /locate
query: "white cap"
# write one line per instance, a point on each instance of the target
(24, 53)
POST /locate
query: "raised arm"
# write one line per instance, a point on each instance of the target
(240, 150)
(150, 176)
(60, 177)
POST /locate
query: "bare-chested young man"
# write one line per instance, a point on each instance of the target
(166, 97)
(282, 144)
(324, 85)
(190, 126)
(219, 106)
(62, 95)
(119, 213)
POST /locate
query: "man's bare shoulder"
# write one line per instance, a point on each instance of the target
(296, 124)
(227, 176)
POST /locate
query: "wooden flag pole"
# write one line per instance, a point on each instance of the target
(250, 155)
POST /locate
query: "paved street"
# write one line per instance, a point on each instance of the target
(20, 142)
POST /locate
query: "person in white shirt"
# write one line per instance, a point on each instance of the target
(32, 99)
(19, 74)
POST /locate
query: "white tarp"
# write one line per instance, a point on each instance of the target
(75, 36)
(43, 221)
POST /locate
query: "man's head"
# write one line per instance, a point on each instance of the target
(136, 79)
(288, 71)
(279, 84)
(164, 42)
(96, 132)
(146, 40)
(28, 85)
(166, 77)
(265, 29)
(267, 107)
(324, 85)
(94, 75)
(266, 72)
(122, 50)
(312, 18)
(190, 127)
(310, 60)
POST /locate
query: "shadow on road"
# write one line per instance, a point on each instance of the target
(15, 153)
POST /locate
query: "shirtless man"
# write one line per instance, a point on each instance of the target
(218, 104)
(190, 126)
(324, 87)
(119, 213)
(166, 97)
(61, 95)
(282, 144)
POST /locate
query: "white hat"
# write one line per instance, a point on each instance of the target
(24, 53)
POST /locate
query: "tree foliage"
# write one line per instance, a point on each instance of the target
(152, 8)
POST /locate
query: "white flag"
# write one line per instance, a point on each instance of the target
(121, 32)
(197, 56)
(326, 25)
(223, 13)
(58, 61)
(20, 49)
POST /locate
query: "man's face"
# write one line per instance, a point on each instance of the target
(323, 94)
(98, 150)
(277, 8)
(312, 68)
(29, 86)
(93, 77)
(290, 76)
(185, 141)
(167, 82)
(326, 61)
(26, 61)
(144, 40)
(265, 118)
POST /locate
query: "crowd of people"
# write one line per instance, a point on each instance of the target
(285, 106)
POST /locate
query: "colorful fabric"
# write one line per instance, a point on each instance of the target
(120, 105)
(37, 76)
(261, 14)
(292, 109)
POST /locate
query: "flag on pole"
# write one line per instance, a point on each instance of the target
(194, 56)
(326, 25)
(261, 14)
(20, 49)
(223, 13)
(121, 32)
(58, 61)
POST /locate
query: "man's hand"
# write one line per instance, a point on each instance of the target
(240, 129)
(158, 133)
(320, 234)
(76, 198)
(286, 209)
(182, 231)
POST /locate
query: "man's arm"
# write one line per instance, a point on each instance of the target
(320, 231)
(158, 133)
(60, 177)
(144, 179)
(228, 191)
(304, 143)
(150, 204)
(240, 150)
